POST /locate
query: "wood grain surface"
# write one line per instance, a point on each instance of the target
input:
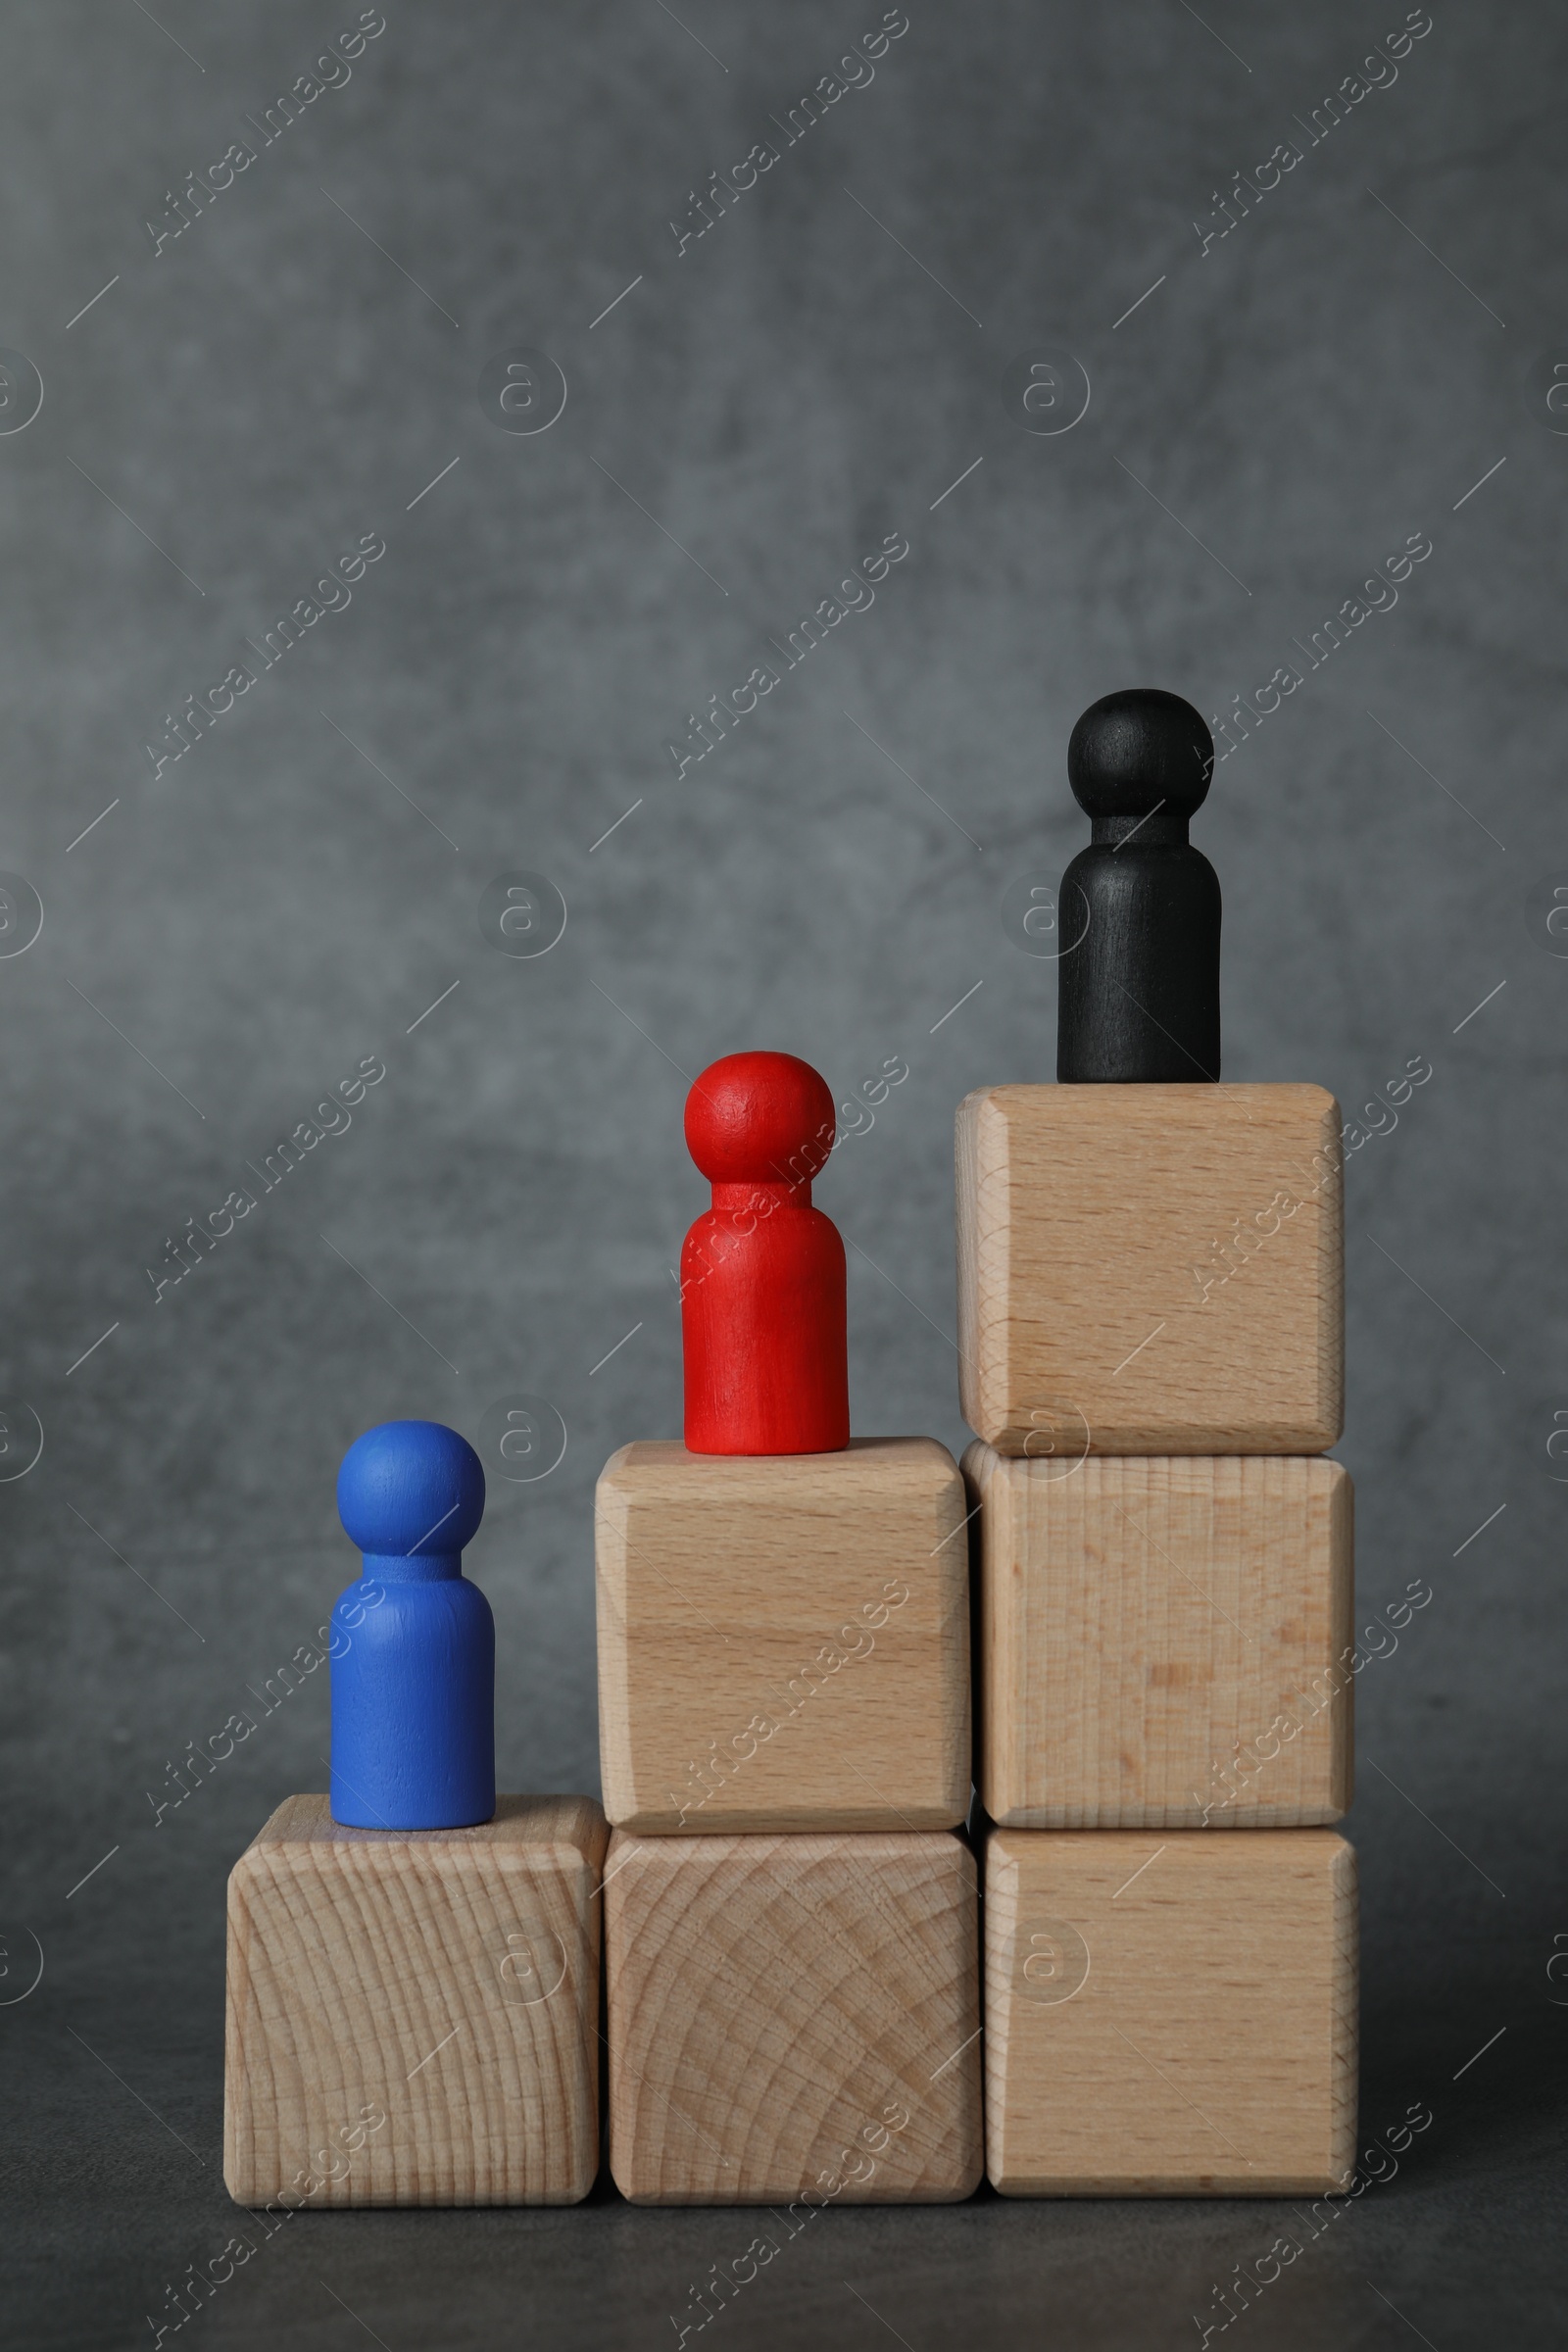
(1170, 2015)
(1163, 1641)
(793, 2017)
(783, 1641)
(1151, 1269)
(446, 1981)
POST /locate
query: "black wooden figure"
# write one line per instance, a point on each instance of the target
(1139, 995)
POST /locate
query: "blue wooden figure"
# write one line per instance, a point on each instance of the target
(413, 1646)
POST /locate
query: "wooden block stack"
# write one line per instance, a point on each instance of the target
(1151, 1349)
(790, 1920)
(1150, 1338)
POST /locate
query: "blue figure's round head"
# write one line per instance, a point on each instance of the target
(411, 1488)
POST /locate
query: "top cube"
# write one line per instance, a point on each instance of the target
(1151, 1269)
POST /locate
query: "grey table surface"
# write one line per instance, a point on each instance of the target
(1363, 355)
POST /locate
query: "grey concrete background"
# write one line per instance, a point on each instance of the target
(1281, 411)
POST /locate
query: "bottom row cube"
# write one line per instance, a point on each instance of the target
(414, 2017)
(793, 2015)
(1170, 2017)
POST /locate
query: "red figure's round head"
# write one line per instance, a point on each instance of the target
(760, 1118)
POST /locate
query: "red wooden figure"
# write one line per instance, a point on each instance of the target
(762, 1279)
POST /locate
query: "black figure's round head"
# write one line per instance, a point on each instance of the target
(1133, 752)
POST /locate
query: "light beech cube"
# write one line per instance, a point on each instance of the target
(413, 2015)
(793, 2017)
(783, 1639)
(1163, 1642)
(1170, 2015)
(1151, 1269)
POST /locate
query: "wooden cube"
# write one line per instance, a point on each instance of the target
(413, 2015)
(783, 1639)
(1164, 1642)
(793, 2017)
(1151, 1269)
(1170, 2017)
